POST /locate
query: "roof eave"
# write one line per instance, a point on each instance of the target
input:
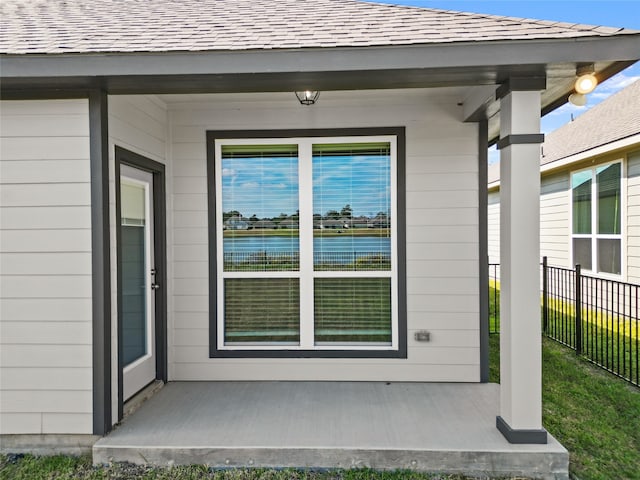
(347, 59)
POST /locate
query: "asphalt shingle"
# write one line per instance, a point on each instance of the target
(110, 26)
(615, 118)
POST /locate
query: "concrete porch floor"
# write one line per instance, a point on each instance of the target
(420, 426)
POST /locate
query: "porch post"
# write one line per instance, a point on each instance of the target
(520, 419)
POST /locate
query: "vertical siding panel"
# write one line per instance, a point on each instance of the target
(45, 252)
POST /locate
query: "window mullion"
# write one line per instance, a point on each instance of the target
(306, 243)
(594, 221)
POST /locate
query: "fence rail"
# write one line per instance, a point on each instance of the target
(269, 261)
(598, 318)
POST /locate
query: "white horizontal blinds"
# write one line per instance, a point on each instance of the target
(259, 227)
(260, 208)
(352, 236)
(352, 206)
(132, 204)
(262, 310)
(352, 311)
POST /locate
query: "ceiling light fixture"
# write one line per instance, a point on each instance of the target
(308, 97)
(578, 99)
(584, 84)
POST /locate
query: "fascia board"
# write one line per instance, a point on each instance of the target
(623, 47)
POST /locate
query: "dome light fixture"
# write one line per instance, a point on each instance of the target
(308, 97)
(585, 83)
(578, 99)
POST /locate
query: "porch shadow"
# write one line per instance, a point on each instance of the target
(439, 427)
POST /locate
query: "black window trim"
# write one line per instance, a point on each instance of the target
(399, 133)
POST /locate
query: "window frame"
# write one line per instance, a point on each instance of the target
(398, 349)
(594, 236)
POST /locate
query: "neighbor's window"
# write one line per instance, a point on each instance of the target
(597, 218)
(306, 244)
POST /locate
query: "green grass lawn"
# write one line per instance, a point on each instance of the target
(609, 341)
(80, 468)
(594, 415)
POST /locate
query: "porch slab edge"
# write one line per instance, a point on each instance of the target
(47, 444)
(542, 465)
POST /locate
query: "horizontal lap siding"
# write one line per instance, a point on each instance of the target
(633, 217)
(45, 265)
(442, 235)
(554, 219)
(493, 226)
(139, 124)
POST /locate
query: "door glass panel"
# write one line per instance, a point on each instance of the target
(609, 256)
(581, 187)
(609, 199)
(133, 265)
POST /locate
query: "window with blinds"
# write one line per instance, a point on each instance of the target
(306, 244)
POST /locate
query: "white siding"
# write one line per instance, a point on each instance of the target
(442, 232)
(554, 221)
(633, 218)
(493, 226)
(45, 268)
(139, 124)
(555, 233)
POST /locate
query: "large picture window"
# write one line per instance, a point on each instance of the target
(305, 238)
(596, 208)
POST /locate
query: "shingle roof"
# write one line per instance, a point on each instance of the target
(615, 118)
(87, 26)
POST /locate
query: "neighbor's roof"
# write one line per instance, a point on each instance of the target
(110, 26)
(614, 119)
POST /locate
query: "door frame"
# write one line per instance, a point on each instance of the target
(126, 157)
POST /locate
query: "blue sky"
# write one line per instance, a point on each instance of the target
(612, 13)
(268, 186)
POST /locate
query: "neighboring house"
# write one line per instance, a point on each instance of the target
(590, 185)
(289, 223)
(236, 223)
(264, 225)
(124, 139)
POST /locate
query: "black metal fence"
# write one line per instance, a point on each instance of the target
(494, 298)
(598, 318)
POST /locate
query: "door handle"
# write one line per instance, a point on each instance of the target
(155, 286)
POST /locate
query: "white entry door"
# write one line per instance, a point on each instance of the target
(137, 280)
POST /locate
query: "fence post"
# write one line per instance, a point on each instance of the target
(578, 312)
(545, 310)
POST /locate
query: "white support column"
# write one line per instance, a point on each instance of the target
(520, 419)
